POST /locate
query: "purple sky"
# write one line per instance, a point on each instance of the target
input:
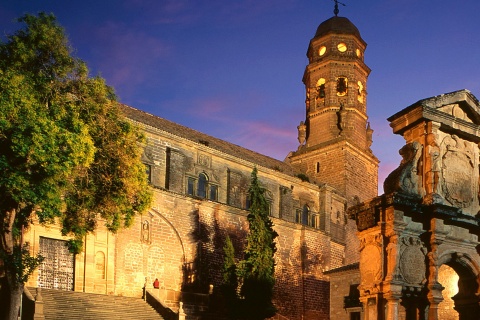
(233, 68)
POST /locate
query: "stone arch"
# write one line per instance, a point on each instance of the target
(167, 256)
(468, 270)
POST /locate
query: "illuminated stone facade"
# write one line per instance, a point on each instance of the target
(428, 218)
(200, 188)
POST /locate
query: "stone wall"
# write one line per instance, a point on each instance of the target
(343, 283)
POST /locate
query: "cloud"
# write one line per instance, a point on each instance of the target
(126, 57)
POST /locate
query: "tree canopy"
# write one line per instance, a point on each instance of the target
(67, 154)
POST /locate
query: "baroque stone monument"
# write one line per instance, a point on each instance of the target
(427, 218)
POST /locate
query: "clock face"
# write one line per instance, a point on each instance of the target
(322, 50)
(342, 47)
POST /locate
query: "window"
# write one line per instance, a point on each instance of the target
(313, 221)
(213, 192)
(318, 167)
(342, 85)
(201, 187)
(298, 216)
(355, 316)
(321, 88)
(342, 47)
(191, 186)
(322, 50)
(360, 92)
(305, 214)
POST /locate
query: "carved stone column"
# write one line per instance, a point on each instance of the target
(393, 303)
(434, 295)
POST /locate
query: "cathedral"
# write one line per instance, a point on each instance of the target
(341, 250)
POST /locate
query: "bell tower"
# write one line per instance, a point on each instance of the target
(335, 137)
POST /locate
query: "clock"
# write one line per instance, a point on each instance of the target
(342, 47)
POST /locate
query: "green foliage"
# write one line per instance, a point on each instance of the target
(303, 177)
(258, 267)
(21, 262)
(230, 280)
(257, 270)
(67, 153)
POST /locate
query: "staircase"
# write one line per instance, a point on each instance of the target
(70, 305)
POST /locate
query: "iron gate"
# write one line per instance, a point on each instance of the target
(57, 270)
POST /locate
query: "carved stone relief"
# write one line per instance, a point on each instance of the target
(412, 261)
(433, 176)
(204, 160)
(457, 171)
(145, 233)
(371, 263)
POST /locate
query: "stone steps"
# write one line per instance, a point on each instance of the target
(70, 305)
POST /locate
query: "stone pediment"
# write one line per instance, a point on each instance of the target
(457, 112)
(441, 158)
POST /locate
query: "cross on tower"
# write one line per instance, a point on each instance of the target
(336, 11)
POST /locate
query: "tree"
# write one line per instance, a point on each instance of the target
(67, 154)
(257, 270)
(230, 280)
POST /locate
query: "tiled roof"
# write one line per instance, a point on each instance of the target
(202, 138)
(353, 266)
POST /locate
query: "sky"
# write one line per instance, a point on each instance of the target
(233, 68)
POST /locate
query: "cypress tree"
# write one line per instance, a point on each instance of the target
(257, 270)
(230, 279)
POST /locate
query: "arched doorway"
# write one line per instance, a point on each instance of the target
(461, 299)
(448, 278)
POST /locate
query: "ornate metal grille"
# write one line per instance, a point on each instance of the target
(57, 270)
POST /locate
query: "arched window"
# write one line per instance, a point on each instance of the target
(321, 88)
(202, 185)
(305, 214)
(342, 85)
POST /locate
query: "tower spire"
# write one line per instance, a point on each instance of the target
(336, 11)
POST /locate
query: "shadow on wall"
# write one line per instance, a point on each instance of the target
(203, 276)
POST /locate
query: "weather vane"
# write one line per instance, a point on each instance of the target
(336, 11)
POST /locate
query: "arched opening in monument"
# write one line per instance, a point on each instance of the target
(466, 300)
(448, 278)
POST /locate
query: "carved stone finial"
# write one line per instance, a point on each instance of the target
(38, 296)
(302, 132)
